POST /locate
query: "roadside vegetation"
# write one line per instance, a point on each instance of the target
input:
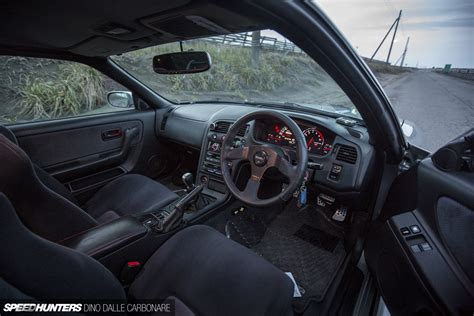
(32, 89)
(380, 68)
(230, 71)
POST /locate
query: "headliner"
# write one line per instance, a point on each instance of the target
(107, 27)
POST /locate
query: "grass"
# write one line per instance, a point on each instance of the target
(385, 69)
(45, 89)
(71, 90)
(230, 71)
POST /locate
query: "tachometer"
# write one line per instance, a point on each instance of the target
(287, 136)
(314, 140)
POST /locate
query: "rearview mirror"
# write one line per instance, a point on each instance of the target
(120, 99)
(181, 63)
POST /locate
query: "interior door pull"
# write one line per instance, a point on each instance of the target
(112, 133)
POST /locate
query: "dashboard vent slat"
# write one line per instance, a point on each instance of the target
(242, 131)
(223, 127)
(347, 154)
(165, 118)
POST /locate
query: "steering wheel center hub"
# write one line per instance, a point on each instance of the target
(260, 158)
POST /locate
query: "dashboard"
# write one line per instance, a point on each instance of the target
(319, 140)
(342, 153)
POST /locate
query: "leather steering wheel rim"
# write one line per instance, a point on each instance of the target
(261, 157)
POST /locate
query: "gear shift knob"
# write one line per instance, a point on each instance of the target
(188, 181)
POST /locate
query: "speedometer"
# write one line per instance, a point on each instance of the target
(314, 140)
(287, 136)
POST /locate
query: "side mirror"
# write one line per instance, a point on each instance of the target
(120, 99)
(181, 63)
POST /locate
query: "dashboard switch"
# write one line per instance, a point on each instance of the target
(335, 172)
(425, 246)
(415, 229)
(415, 248)
(405, 231)
(315, 165)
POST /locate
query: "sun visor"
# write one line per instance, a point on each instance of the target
(104, 46)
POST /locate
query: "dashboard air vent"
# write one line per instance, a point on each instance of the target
(221, 127)
(242, 131)
(165, 118)
(347, 154)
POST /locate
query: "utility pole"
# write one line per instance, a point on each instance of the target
(394, 34)
(256, 48)
(395, 23)
(405, 52)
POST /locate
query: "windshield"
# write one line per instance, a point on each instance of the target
(253, 67)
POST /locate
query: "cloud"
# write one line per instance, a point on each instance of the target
(440, 31)
(435, 24)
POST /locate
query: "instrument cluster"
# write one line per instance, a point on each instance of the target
(319, 140)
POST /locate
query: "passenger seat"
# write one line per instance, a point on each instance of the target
(129, 194)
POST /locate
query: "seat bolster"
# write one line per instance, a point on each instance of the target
(47, 271)
(41, 209)
(5, 131)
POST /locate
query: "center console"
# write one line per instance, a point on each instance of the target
(124, 244)
(210, 162)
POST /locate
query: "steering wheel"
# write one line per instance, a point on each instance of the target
(262, 157)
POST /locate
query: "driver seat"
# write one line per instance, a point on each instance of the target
(198, 269)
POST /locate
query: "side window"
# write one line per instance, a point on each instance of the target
(34, 89)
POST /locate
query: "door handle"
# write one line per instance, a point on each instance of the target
(112, 133)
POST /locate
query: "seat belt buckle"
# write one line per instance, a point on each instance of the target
(129, 272)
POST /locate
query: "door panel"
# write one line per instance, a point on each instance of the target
(85, 153)
(423, 259)
(69, 145)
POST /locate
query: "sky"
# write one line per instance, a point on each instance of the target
(441, 31)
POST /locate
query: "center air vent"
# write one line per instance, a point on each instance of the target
(347, 154)
(223, 127)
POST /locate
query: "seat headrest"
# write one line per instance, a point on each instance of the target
(5, 131)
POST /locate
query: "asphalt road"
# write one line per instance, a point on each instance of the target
(439, 107)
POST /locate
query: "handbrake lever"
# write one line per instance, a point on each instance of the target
(176, 215)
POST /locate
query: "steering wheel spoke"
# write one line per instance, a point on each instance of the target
(238, 153)
(286, 168)
(252, 187)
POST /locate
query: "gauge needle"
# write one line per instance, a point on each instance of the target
(310, 142)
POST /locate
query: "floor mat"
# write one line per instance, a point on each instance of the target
(301, 242)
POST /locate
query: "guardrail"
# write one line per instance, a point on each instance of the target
(464, 73)
(265, 42)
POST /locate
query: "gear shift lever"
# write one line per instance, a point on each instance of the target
(188, 181)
